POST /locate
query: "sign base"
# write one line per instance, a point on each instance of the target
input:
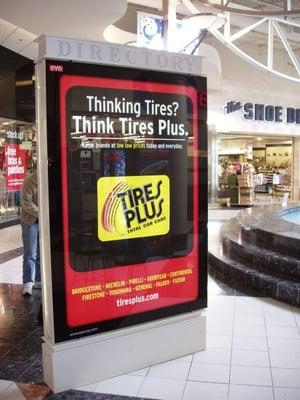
(81, 362)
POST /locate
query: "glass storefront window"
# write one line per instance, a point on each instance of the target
(254, 169)
(17, 158)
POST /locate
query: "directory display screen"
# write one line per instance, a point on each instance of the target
(127, 184)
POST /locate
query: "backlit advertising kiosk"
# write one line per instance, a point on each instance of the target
(123, 199)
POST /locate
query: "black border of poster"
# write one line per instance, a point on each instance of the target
(61, 329)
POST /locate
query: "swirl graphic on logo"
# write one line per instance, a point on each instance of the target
(110, 217)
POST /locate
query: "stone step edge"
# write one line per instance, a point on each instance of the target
(266, 239)
(241, 276)
(251, 249)
(246, 243)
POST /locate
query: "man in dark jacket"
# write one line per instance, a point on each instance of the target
(30, 235)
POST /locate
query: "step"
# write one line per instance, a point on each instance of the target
(241, 276)
(287, 244)
(263, 226)
(261, 259)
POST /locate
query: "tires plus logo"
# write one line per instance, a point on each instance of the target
(133, 206)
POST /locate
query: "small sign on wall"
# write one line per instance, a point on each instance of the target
(15, 160)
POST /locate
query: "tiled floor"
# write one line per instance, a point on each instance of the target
(10, 238)
(253, 349)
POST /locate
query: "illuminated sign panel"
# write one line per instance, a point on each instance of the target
(128, 196)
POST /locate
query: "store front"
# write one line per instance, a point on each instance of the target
(254, 169)
(254, 147)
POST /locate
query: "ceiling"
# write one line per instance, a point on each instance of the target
(239, 19)
(265, 6)
(21, 22)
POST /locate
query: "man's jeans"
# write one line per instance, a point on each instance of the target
(31, 253)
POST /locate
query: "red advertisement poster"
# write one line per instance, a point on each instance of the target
(15, 161)
(130, 199)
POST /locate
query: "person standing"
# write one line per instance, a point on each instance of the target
(30, 235)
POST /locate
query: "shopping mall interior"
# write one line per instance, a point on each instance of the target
(242, 151)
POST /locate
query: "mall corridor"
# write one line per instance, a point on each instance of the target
(252, 352)
(165, 139)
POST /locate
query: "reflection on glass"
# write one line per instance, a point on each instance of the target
(17, 156)
(108, 154)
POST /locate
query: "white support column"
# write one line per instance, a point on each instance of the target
(287, 46)
(169, 14)
(44, 223)
(227, 30)
(270, 44)
(246, 30)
